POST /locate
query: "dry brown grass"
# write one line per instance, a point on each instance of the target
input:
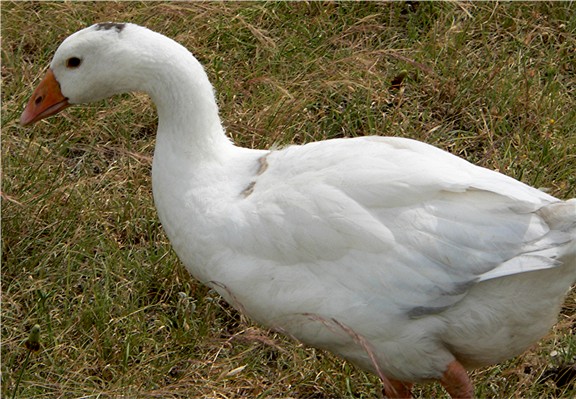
(84, 256)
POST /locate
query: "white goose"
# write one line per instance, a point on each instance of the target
(402, 258)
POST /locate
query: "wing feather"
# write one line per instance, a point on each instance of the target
(404, 223)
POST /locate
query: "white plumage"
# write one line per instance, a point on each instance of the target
(398, 256)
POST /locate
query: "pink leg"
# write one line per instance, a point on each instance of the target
(397, 389)
(456, 382)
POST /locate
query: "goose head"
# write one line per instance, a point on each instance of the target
(98, 62)
(113, 58)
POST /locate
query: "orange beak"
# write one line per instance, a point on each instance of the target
(46, 100)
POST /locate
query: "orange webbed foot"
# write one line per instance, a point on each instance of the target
(456, 382)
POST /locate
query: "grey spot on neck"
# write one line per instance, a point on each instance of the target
(248, 190)
(263, 165)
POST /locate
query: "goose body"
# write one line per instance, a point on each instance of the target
(400, 257)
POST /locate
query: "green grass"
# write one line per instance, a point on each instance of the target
(84, 256)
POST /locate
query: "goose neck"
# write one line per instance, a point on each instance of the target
(189, 125)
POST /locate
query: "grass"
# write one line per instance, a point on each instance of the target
(84, 256)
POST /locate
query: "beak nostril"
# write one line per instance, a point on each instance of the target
(45, 101)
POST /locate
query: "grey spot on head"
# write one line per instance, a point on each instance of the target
(111, 25)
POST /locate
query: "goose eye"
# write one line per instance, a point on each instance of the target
(73, 62)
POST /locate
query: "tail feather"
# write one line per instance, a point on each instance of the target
(555, 249)
(561, 216)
